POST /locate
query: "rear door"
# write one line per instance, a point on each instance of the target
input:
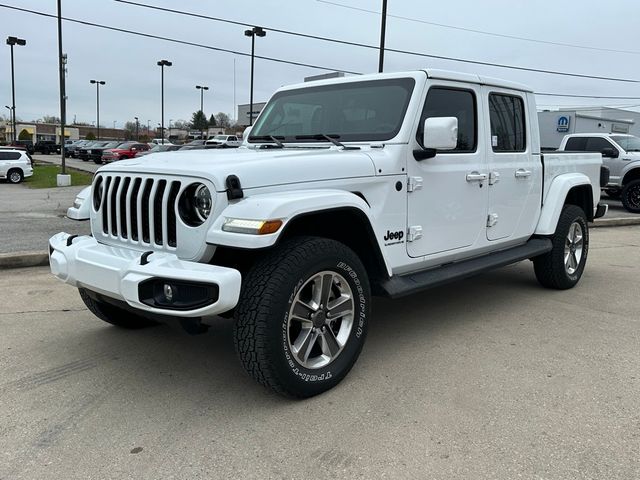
(515, 175)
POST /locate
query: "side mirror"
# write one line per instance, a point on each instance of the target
(610, 152)
(440, 133)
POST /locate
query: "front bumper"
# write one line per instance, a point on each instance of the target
(118, 272)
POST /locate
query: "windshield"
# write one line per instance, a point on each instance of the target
(629, 144)
(358, 111)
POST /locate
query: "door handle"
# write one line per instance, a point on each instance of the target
(522, 173)
(476, 177)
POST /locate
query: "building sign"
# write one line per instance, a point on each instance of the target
(563, 123)
(619, 128)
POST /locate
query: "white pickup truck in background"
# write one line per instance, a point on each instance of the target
(383, 184)
(621, 154)
(223, 141)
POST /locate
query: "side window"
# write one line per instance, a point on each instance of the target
(450, 102)
(597, 144)
(507, 123)
(576, 144)
(10, 155)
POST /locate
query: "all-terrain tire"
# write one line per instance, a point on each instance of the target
(631, 196)
(552, 269)
(114, 315)
(265, 334)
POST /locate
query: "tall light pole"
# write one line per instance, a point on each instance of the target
(137, 129)
(162, 64)
(10, 116)
(148, 128)
(11, 41)
(253, 33)
(98, 83)
(383, 31)
(170, 120)
(202, 88)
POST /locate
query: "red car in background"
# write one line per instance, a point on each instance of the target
(123, 151)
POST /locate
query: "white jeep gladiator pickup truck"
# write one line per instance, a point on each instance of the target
(382, 184)
(621, 154)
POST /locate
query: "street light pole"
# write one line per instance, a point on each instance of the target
(11, 41)
(62, 60)
(260, 32)
(383, 31)
(162, 64)
(98, 83)
(137, 129)
(202, 88)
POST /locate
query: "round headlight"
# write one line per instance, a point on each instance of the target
(202, 202)
(97, 193)
(195, 204)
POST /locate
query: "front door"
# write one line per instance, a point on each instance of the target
(449, 198)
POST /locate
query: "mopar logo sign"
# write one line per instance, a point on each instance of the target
(563, 123)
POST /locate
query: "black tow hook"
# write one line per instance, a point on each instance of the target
(70, 239)
(144, 259)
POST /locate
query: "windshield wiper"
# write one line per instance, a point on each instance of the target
(330, 138)
(274, 139)
(321, 136)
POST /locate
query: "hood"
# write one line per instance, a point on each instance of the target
(254, 168)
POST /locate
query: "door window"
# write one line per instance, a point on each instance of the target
(450, 102)
(10, 155)
(507, 123)
(597, 144)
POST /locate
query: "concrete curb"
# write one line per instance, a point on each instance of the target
(615, 222)
(23, 259)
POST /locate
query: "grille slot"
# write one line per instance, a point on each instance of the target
(139, 210)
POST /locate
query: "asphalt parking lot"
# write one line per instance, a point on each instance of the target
(493, 377)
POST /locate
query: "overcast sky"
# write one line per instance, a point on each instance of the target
(128, 63)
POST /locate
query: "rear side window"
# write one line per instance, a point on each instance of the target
(576, 144)
(507, 123)
(10, 155)
(449, 102)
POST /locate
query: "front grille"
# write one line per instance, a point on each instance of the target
(139, 210)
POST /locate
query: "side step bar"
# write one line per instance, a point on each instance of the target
(402, 285)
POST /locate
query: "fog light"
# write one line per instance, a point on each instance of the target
(168, 293)
(177, 294)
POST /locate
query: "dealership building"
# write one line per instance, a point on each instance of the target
(556, 124)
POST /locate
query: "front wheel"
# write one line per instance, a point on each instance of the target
(631, 196)
(301, 320)
(562, 267)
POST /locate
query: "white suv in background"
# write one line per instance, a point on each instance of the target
(15, 165)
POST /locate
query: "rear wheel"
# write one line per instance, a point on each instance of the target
(301, 320)
(631, 196)
(562, 267)
(15, 176)
(114, 315)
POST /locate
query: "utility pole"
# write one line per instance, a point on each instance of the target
(383, 29)
(62, 60)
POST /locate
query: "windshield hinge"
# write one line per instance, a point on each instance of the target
(414, 183)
